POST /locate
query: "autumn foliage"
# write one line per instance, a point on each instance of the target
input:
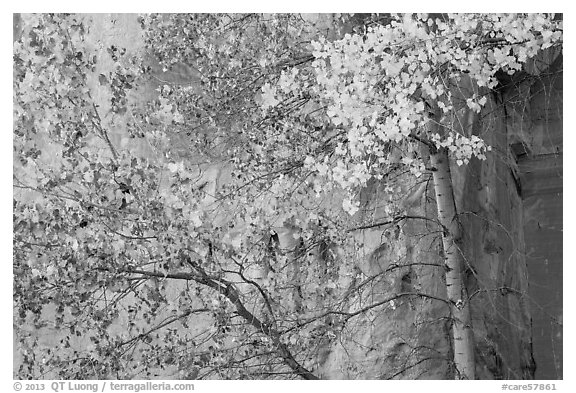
(230, 254)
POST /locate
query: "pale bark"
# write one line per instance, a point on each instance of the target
(462, 335)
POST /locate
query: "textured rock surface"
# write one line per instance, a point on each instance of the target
(541, 178)
(411, 337)
(407, 338)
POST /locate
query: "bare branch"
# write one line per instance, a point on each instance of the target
(395, 220)
(227, 289)
(164, 323)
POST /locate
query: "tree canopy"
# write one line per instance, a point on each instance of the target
(228, 253)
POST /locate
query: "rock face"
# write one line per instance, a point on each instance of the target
(540, 170)
(408, 337)
(511, 209)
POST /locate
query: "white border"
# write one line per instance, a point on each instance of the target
(289, 6)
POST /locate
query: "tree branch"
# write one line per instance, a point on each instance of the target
(395, 220)
(227, 289)
(348, 315)
(164, 323)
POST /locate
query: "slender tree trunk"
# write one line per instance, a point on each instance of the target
(462, 335)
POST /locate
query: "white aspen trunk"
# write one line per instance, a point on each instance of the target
(462, 335)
